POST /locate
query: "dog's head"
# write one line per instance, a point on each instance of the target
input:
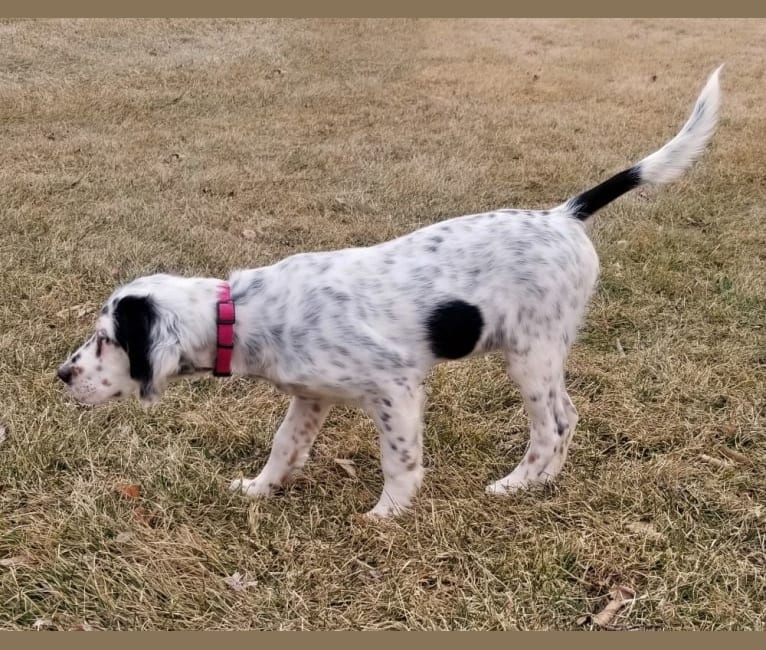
(135, 347)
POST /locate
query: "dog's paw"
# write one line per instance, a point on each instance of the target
(513, 484)
(252, 488)
(385, 509)
(376, 514)
(506, 486)
(378, 517)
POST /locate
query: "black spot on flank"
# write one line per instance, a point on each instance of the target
(454, 328)
(387, 427)
(385, 417)
(534, 398)
(387, 402)
(393, 446)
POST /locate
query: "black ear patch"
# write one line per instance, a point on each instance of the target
(454, 329)
(133, 320)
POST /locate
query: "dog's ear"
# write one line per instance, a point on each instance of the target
(134, 318)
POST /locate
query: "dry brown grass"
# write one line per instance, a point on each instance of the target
(131, 147)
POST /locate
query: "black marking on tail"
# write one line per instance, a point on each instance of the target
(584, 205)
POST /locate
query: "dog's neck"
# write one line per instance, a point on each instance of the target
(193, 303)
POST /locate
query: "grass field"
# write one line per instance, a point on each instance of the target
(131, 147)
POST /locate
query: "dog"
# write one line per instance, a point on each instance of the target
(364, 326)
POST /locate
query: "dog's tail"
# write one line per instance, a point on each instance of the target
(664, 165)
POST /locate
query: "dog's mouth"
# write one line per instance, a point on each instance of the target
(90, 400)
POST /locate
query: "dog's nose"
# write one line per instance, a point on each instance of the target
(65, 374)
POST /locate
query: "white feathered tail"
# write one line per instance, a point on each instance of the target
(665, 164)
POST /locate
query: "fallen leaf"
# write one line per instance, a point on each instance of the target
(16, 560)
(128, 490)
(3, 433)
(718, 462)
(729, 430)
(249, 234)
(82, 627)
(42, 623)
(195, 417)
(619, 597)
(237, 583)
(347, 465)
(143, 515)
(644, 528)
(370, 571)
(123, 537)
(731, 454)
(78, 310)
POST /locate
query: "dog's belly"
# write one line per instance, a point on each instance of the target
(335, 393)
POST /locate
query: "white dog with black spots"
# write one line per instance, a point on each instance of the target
(364, 326)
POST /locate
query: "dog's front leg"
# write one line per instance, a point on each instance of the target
(399, 418)
(291, 447)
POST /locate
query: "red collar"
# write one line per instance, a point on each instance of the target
(225, 331)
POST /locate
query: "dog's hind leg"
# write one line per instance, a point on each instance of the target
(552, 418)
(399, 418)
(291, 447)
